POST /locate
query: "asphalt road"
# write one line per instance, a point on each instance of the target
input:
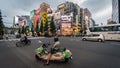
(86, 54)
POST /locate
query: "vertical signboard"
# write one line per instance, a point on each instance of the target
(66, 29)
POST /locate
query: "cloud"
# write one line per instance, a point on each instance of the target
(105, 11)
(100, 9)
(103, 15)
(79, 2)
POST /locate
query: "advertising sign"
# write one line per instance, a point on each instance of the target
(66, 29)
(37, 18)
(57, 16)
(44, 17)
(16, 19)
(38, 11)
(66, 18)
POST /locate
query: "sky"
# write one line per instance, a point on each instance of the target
(101, 9)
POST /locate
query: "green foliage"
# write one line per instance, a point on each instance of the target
(23, 29)
(19, 31)
(46, 26)
(41, 27)
(52, 26)
(1, 25)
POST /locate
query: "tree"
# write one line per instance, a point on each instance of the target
(1, 25)
(46, 26)
(52, 26)
(19, 31)
(41, 27)
(23, 29)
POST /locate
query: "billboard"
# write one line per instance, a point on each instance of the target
(57, 15)
(38, 11)
(23, 20)
(66, 18)
(37, 18)
(66, 29)
(16, 18)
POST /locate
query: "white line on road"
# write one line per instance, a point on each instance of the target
(19, 39)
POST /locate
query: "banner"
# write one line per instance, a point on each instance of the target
(44, 17)
(38, 11)
(66, 18)
(66, 29)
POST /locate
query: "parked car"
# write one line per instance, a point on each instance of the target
(94, 37)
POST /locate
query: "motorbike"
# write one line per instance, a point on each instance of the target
(63, 55)
(23, 43)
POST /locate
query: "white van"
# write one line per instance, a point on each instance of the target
(94, 37)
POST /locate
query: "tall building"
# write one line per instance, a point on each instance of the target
(85, 17)
(115, 11)
(44, 7)
(78, 14)
(68, 8)
(92, 22)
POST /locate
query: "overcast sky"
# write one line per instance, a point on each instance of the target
(101, 9)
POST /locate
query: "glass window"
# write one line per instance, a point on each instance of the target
(115, 28)
(118, 28)
(91, 29)
(105, 28)
(95, 34)
(110, 28)
(88, 35)
(97, 29)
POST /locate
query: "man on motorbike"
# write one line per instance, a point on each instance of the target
(64, 54)
(55, 48)
(24, 39)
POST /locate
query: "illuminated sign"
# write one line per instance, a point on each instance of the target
(66, 18)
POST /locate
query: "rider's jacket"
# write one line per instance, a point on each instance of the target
(56, 45)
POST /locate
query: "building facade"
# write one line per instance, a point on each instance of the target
(68, 8)
(85, 17)
(44, 7)
(115, 11)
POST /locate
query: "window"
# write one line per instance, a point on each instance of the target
(115, 28)
(118, 28)
(105, 28)
(96, 35)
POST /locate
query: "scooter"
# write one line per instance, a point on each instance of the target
(22, 43)
(63, 55)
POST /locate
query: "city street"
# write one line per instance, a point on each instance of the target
(86, 54)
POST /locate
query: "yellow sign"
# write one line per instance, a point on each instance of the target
(44, 17)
